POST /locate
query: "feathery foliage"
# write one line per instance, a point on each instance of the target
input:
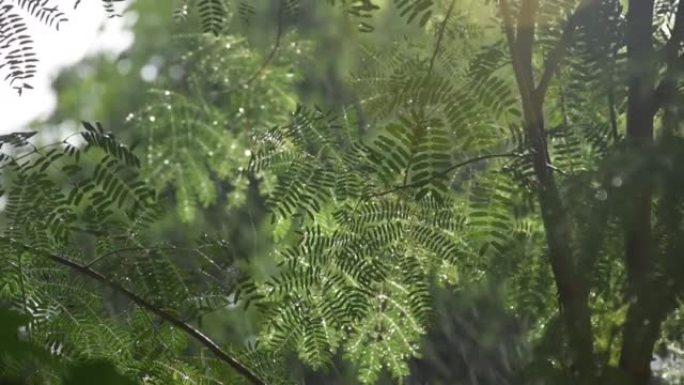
(471, 153)
(18, 58)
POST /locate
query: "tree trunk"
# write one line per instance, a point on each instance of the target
(571, 286)
(642, 325)
(572, 289)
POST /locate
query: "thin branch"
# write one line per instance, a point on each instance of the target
(677, 36)
(663, 90)
(509, 27)
(559, 51)
(34, 149)
(269, 57)
(444, 173)
(133, 248)
(440, 37)
(673, 60)
(525, 32)
(188, 329)
(524, 82)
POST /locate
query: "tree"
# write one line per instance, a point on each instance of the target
(536, 151)
(645, 312)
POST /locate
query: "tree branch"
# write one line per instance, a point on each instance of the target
(188, 329)
(673, 60)
(677, 36)
(440, 37)
(558, 53)
(509, 27)
(572, 288)
(525, 35)
(269, 57)
(444, 173)
(132, 248)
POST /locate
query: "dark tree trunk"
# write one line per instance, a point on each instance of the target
(571, 286)
(642, 325)
(572, 289)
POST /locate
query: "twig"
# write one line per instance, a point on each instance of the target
(440, 37)
(673, 60)
(444, 173)
(558, 52)
(188, 329)
(677, 36)
(35, 150)
(125, 249)
(269, 57)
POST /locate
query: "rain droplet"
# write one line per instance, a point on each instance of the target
(601, 194)
(616, 181)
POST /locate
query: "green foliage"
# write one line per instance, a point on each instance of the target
(369, 239)
(106, 209)
(101, 187)
(212, 15)
(18, 58)
(196, 145)
(425, 179)
(19, 355)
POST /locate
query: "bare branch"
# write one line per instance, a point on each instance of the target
(133, 248)
(525, 34)
(440, 36)
(559, 51)
(267, 60)
(677, 36)
(444, 173)
(509, 27)
(188, 329)
(673, 60)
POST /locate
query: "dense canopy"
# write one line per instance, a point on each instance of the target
(354, 191)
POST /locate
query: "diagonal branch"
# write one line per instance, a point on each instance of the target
(525, 34)
(663, 91)
(440, 37)
(269, 57)
(132, 248)
(188, 329)
(444, 173)
(561, 48)
(509, 26)
(677, 37)
(674, 62)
